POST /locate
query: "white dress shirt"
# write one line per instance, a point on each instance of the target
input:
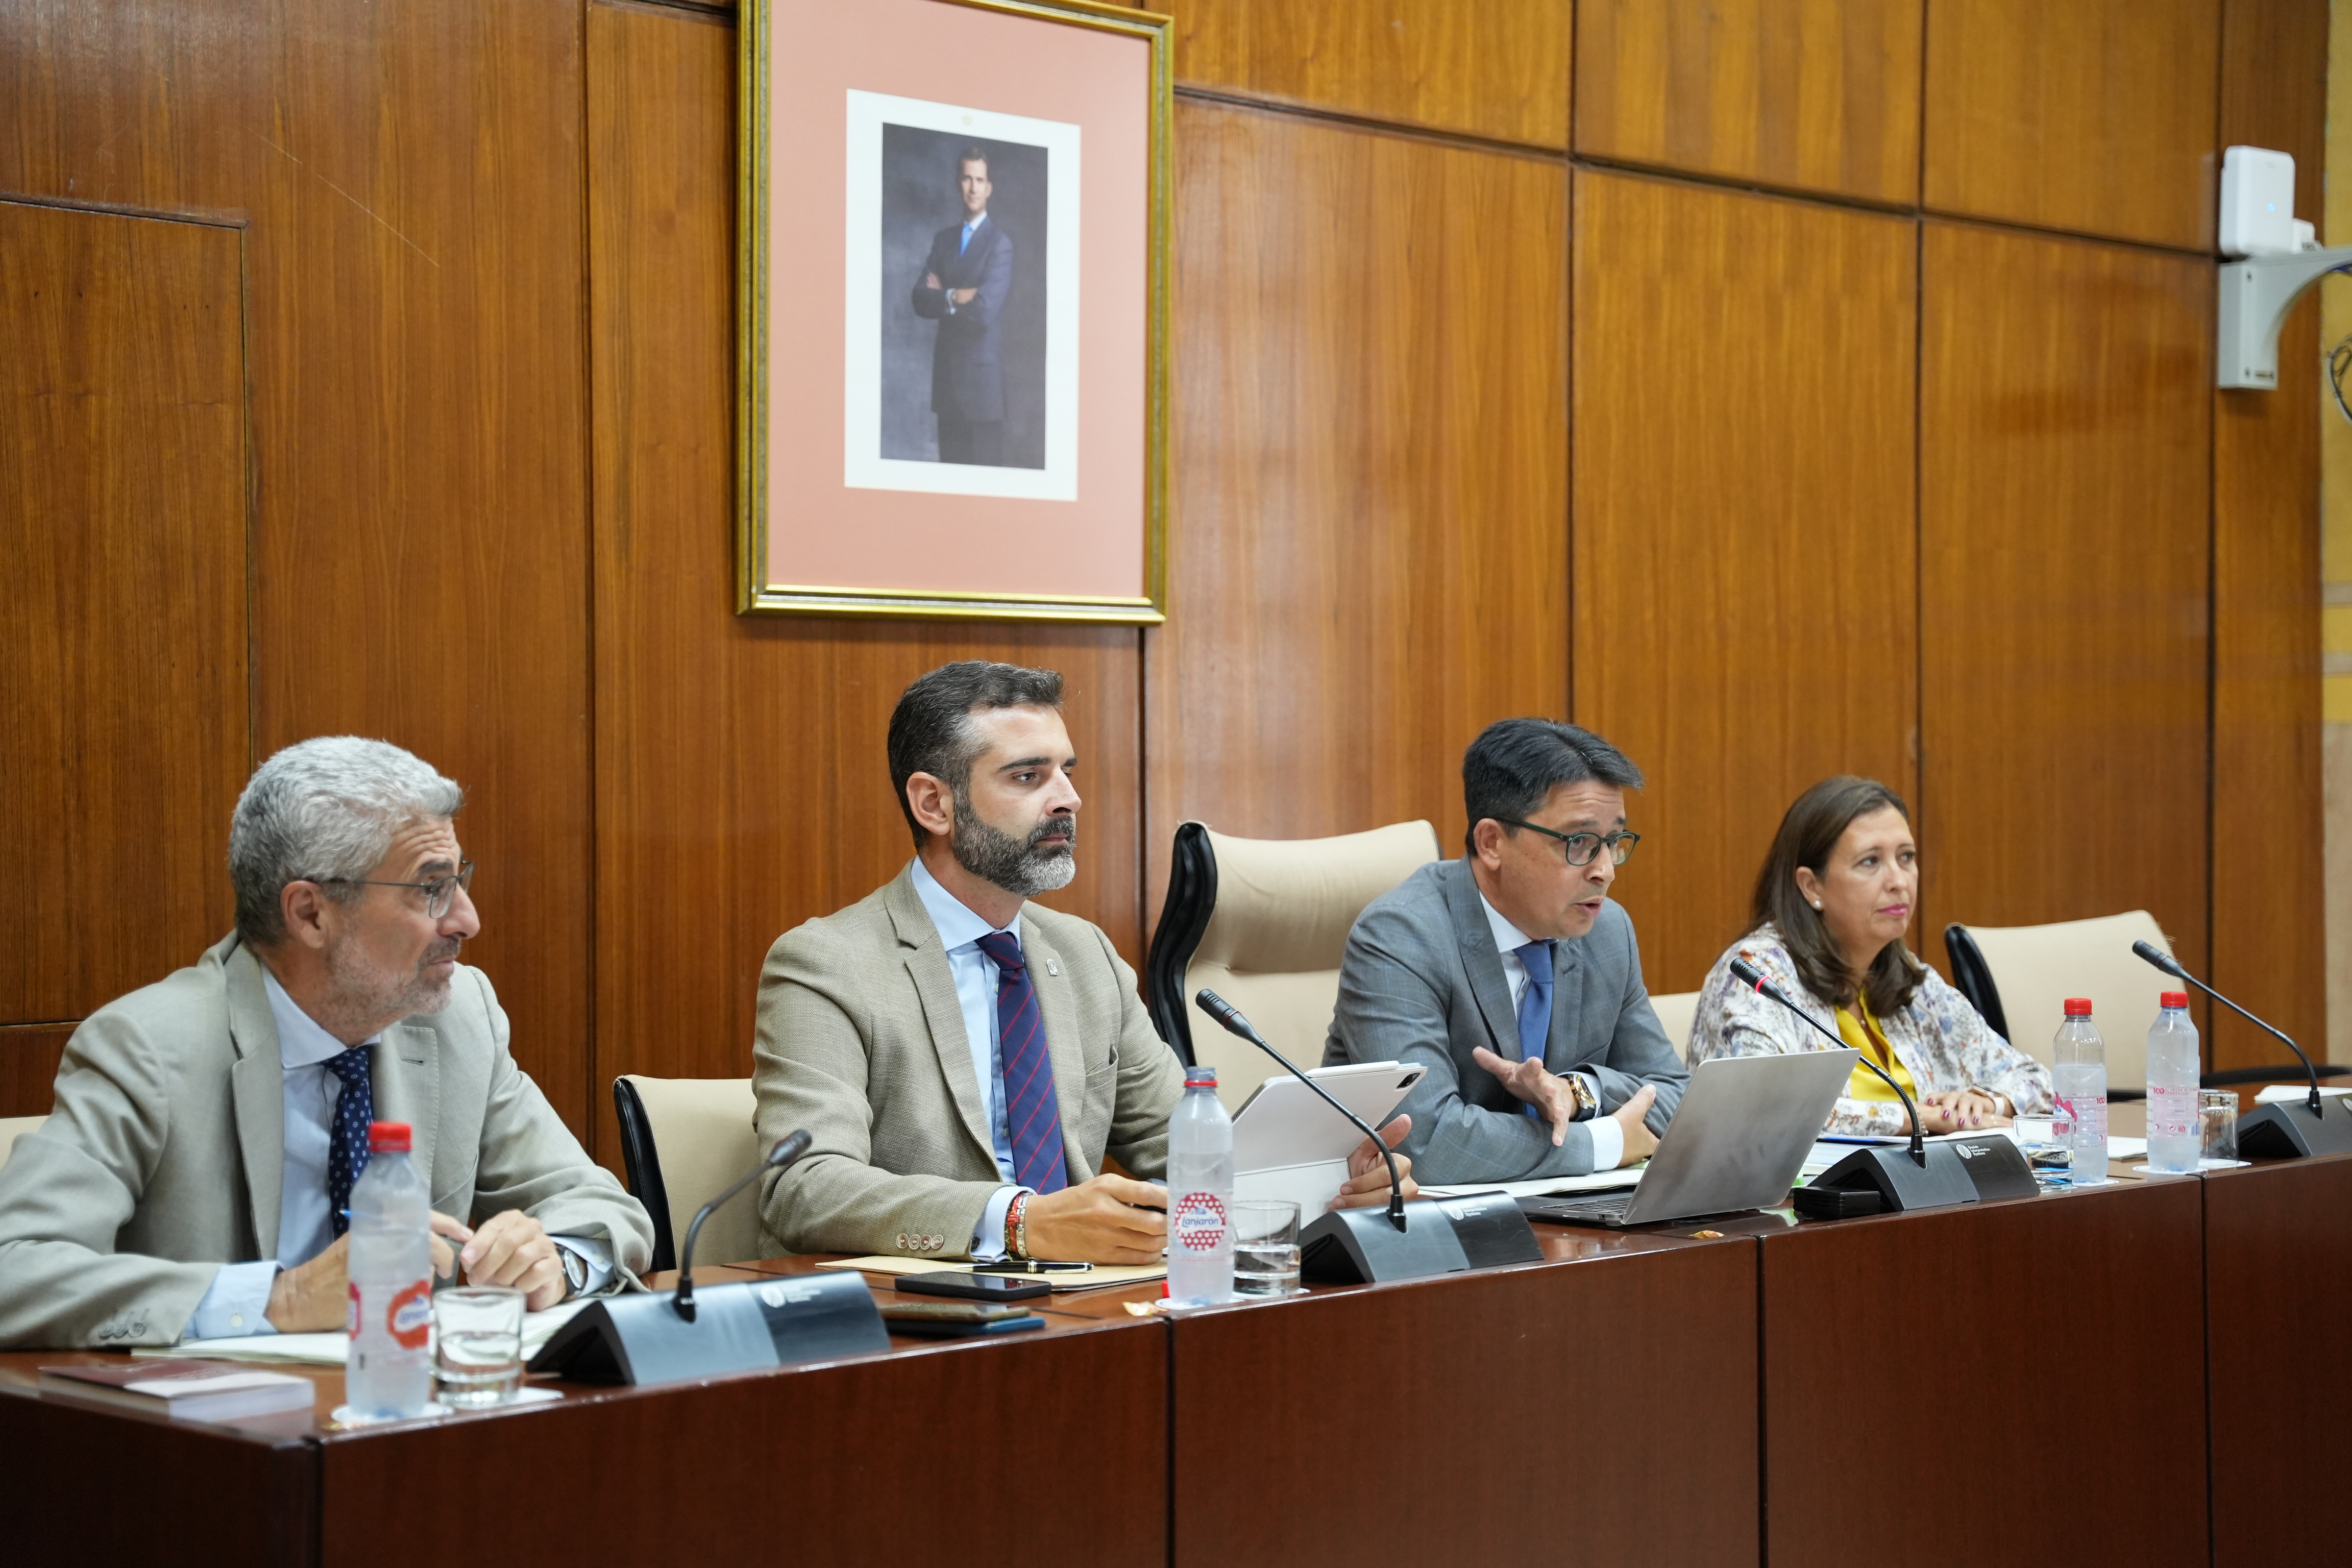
(1608, 1137)
(239, 1297)
(976, 974)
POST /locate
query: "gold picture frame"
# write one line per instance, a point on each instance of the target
(758, 590)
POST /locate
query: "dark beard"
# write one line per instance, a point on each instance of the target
(1016, 864)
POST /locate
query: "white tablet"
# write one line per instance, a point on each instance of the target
(1288, 1143)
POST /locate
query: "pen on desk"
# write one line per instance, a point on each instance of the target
(1030, 1265)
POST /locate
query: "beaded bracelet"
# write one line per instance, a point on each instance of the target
(1016, 1225)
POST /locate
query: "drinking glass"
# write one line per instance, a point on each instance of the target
(1265, 1246)
(478, 1344)
(2217, 1123)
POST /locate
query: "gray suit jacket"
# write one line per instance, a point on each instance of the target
(861, 1040)
(1422, 982)
(162, 1158)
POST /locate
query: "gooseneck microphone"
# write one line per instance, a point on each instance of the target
(2171, 965)
(787, 1150)
(1750, 975)
(1230, 1016)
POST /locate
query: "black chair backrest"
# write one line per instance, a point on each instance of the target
(1191, 899)
(1972, 977)
(643, 1164)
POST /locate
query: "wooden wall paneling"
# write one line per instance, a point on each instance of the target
(742, 785)
(1498, 69)
(29, 1054)
(2095, 116)
(1822, 94)
(124, 735)
(411, 178)
(1744, 383)
(2269, 887)
(2064, 468)
(1370, 518)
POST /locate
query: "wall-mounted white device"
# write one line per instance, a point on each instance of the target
(2273, 261)
(2257, 202)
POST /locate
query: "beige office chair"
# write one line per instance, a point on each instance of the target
(13, 1128)
(1675, 1015)
(1264, 922)
(2019, 977)
(683, 1139)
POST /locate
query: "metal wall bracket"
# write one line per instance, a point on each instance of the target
(2256, 293)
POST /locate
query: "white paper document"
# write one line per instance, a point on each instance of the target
(2273, 1093)
(1617, 1180)
(331, 1348)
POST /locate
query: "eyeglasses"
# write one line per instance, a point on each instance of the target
(1582, 847)
(440, 892)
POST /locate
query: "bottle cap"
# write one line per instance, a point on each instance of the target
(1198, 1077)
(2175, 998)
(2078, 1006)
(388, 1137)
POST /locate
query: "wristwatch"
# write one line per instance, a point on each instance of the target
(1588, 1104)
(575, 1271)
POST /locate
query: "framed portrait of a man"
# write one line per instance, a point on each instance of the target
(953, 310)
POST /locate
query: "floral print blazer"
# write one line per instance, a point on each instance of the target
(1944, 1043)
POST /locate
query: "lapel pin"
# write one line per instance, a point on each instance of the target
(1053, 968)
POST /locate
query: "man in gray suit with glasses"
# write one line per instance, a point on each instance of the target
(193, 1179)
(1511, 976)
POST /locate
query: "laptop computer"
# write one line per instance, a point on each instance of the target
(1736, 1141)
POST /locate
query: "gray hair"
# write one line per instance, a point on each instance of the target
(931, 729)
(321, 810)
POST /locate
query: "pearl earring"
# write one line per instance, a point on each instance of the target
(1817, 903)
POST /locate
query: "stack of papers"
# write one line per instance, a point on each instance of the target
(331, 1349)
(1093, 1279)
(1620, 1180)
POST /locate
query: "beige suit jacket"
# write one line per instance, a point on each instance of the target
(162, 1159)
(862, 1041)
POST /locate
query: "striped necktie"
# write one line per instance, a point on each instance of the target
(347, 1141)
(1032, 1115)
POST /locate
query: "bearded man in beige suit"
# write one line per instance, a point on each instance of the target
(968, 1061)
(192, 1181)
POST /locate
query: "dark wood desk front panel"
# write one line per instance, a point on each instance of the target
(949, 1447)
(1443, 1420)
(1919, 1369)
(91, 1485)
(2278, 1276)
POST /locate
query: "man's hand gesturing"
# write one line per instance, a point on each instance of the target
(1111, 1219)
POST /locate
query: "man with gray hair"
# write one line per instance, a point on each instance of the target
(967, 1060)
(192, 1179)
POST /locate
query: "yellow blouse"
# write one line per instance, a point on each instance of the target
(1863, 1034)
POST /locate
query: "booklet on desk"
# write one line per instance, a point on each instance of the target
(184, 1390)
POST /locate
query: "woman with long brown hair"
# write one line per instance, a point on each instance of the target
(1831, 907)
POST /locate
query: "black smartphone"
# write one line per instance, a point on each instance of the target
(958, 1319)
(974, 1287)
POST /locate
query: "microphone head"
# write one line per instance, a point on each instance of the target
(1223, 1011)
(2162, 959)
(789, 1148)
(1747, 973)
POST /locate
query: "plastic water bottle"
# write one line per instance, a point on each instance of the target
(388, 1371)
(1200, 1194)
(2173, 1144)
(2081, 1119)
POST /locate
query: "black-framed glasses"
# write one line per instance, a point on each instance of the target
(1582, 847)
(440, 892)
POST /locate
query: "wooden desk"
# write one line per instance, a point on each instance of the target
(1443, 1420)
(852, 1461)
(2278, 1273)
(1911, 1371)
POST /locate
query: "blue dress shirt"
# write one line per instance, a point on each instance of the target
(976, 974)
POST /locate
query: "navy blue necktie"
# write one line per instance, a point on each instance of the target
(1033, 1112)
(1534, 1007)
(347, 1142)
